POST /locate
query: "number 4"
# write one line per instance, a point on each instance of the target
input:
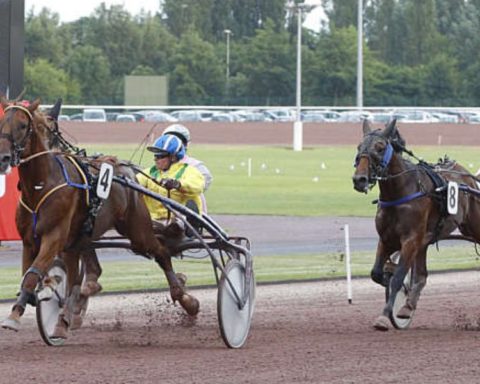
(105, 177)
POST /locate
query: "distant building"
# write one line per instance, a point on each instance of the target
(146, 90)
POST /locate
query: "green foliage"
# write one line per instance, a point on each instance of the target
(89, 66)
(44, 80)
(271, 76)
(415, 52)
(197, 72)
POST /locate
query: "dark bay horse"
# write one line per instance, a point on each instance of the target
(55, 206)
(412, 209)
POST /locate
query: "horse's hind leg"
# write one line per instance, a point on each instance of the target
(419, 280)
(143, 241)
(93, 270)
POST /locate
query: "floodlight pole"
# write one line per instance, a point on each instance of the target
(360, 55)
(227, 74)
(298, 124)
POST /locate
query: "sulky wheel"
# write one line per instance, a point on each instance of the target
(400, 301)
(234, 322)
(51, 295)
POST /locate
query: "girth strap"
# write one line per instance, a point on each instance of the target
(402, 200)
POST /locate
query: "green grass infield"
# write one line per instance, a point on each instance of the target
(314, 182)
(139, 275)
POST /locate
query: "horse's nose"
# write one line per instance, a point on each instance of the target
(4, 162)
(360, 183)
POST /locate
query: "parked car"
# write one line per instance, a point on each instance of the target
(94, 115)
(382, 117)
(280, 114)
(63, 118)
(125, 118)
(187, 115)
(312, 116)
(112, 116)
(414, 116)
(158, 116)
(223, 116)
(354, 116)
(76, 117)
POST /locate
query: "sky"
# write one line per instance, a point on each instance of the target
(70, 10)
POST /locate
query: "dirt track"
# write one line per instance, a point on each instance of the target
(301, 333)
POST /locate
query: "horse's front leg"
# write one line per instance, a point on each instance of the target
(377, 274)
(382, 323)
(50, 246)
(419, 280)
(67, 316)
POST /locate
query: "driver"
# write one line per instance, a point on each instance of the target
(172, 178)
(183, 134)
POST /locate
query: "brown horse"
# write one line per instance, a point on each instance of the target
(55, 207)
(412, 210)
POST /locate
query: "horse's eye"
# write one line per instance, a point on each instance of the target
(23, 125)
(380, 147)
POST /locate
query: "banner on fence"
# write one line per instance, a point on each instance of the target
(9, 195)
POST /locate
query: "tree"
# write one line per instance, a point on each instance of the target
(342, 13)
(331, 71)
(90, 68)
(157, 45)
(197, 75)
(115, 32)
(43, 80)
(42, 39)
(271, 74)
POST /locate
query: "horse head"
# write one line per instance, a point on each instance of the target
(374, 154)
(16, 128)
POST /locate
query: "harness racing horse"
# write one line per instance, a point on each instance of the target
(55, 207)
(412, 210)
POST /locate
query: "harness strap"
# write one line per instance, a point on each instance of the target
(402, 200)
(38, 154)
(20, 107)
(44, 197)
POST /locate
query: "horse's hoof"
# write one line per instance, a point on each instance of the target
(382, 323)
(77, 321)
(12, 324)
(190, 304)
(405, 312)
(90, 288)
(60, 331)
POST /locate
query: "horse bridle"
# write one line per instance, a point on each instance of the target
(18, 148)
(375, 172)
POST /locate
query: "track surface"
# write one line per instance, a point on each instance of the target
(301, 333)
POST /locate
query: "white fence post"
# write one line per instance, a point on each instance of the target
(347, 264)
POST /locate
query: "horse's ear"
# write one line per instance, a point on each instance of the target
(390, 129)
(366, 127)
(34, 105)
(55, 110)
(20, 96)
